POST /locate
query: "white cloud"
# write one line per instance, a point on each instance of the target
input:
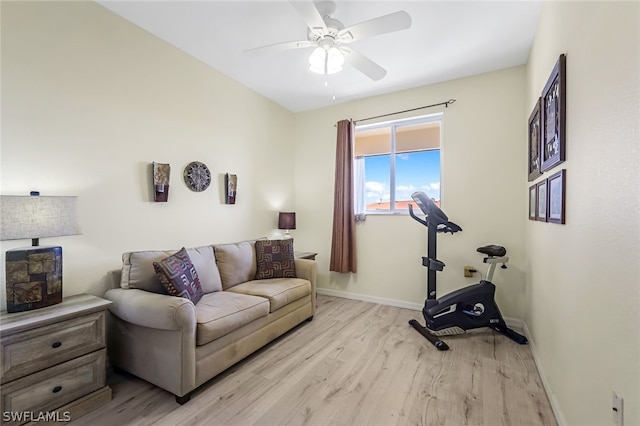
(376, 192)
(405, 188)
(372, 186)
(403, 192)
(433, 186)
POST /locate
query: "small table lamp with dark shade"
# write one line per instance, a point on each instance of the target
(34, 274)
(287, 221)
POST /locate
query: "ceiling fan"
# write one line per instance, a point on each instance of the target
(330, 38)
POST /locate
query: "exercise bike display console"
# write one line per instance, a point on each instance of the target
(461, 310)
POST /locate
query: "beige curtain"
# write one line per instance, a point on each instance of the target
(343, 238)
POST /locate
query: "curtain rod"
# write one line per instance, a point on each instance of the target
(446, 104)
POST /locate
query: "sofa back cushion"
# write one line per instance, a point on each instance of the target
(204, 260)
(138, 271)
(236, 262)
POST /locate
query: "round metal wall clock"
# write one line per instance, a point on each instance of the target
(197, 176)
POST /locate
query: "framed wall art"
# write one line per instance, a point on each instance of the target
(556, 186)
(533, 205)
(553, 113)
(535, 126)
(541, 201)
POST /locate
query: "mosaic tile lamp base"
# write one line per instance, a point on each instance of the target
(34, 277)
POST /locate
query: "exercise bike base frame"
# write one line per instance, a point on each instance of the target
(439, 344)
(513, 335)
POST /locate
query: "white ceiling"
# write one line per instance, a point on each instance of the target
(447, 40)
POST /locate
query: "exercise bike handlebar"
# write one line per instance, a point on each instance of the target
(413, 215)
(434, 216)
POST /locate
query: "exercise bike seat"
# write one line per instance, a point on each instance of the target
(492, 250)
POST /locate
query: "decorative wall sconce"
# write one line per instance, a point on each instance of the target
(34, 274)
(161, 174)
(231, 185)
(287, 221)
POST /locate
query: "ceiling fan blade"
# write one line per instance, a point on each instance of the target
(384, 24)
(310, 15)
(279, 47)
(363, 64)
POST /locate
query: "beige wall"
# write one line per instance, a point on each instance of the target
(482, 165)
(90, 100)
(583, 280)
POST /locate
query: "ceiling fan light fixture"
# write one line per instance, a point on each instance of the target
(326, 61)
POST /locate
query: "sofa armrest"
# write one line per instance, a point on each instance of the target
(146, 309)
(308, 269)
(153, 336)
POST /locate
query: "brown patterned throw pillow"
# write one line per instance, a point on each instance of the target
(178, 275)
(275, 259)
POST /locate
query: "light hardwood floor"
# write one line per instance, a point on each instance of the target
(356, 363)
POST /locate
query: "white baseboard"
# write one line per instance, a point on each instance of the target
(371, 299)
(511, 322)
(557, 412)
(514, 323)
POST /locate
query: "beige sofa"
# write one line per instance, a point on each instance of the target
(178, 345)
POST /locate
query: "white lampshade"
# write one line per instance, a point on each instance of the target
(317, 60)
(29, 217)
(335, 60)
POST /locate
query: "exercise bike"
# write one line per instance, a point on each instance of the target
(464, 309)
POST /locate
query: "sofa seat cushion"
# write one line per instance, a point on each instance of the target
(279, 291)
(222, 312)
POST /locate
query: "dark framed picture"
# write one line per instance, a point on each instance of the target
(541, 201)
(556, 185)
(554, 100)
(533, 205)
(535, 140)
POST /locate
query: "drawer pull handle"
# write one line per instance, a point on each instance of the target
(56, 345)
(57, 389)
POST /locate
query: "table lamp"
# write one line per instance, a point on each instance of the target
(287, 221)
(34, 274)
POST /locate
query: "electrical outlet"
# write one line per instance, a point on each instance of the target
(468, 271)
(617, 406)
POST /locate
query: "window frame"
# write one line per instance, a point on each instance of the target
(393, 125)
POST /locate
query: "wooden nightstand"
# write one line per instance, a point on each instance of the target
(305, 255)
(53, 361)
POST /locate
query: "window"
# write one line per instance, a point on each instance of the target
(395, 159)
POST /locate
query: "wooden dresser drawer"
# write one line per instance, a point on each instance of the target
(52, 388)
(33, 350)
